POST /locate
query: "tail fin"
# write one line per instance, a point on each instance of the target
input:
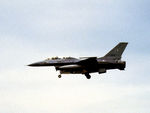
(117, 51)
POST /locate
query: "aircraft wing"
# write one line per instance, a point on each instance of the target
(87, 61)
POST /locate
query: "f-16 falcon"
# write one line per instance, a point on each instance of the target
(87, 65)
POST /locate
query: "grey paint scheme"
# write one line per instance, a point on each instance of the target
(86, 65)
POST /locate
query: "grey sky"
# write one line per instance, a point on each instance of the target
(34, 30)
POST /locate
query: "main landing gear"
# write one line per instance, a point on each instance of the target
(88, 76)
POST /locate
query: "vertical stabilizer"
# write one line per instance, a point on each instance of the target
(116, 52)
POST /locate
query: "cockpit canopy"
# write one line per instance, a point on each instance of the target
(68, 58)
(53, 58)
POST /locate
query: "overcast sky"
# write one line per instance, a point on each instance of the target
(32, 30)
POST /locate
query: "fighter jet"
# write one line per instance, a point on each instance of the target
(87, 65)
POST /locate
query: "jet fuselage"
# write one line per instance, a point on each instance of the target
(86, 65)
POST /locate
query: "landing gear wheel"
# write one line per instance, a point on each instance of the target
(88, 76)
(59, 76)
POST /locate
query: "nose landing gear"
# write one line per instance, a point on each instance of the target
(59, 76)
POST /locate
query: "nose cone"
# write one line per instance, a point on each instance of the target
(37, 64)
(33, 64)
